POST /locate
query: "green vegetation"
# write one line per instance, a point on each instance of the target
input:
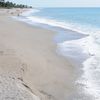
(7, 4)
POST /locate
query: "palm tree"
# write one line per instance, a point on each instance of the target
(2, 0)
(1, 3)
(12, 5)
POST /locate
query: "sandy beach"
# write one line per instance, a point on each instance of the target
(30, 68)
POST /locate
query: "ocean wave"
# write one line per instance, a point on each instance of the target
(90, 77)
(78, 27)
(86, 52)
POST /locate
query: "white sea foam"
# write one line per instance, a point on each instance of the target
(76, 49)
(83, 29)
(91, 75)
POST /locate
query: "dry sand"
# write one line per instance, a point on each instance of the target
(30, 68)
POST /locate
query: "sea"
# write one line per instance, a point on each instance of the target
(77, 38)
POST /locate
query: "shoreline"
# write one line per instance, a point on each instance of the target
(88, 56)
(82, 47)
(47, 74)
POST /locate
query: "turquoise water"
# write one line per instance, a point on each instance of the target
(90, 16)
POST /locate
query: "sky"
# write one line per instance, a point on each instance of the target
(59, 3)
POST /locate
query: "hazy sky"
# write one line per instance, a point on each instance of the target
(60, 3)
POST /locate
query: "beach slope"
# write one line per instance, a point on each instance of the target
(30, 64)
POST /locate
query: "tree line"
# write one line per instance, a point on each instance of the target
(7, 4)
